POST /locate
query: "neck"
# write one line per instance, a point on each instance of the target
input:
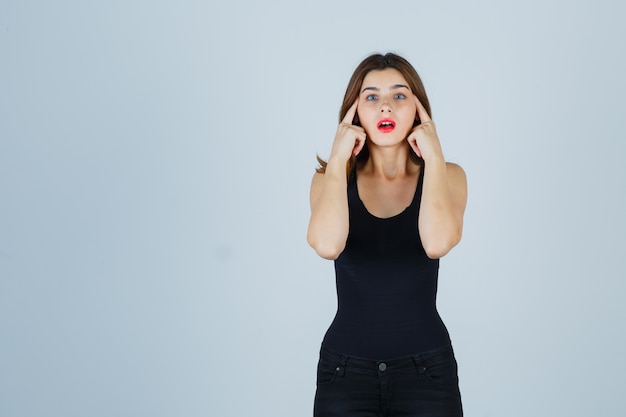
(389, 162)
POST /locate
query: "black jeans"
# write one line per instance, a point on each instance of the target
(421, 385)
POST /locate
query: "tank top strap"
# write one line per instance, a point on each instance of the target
(417, 197)
(420, 179)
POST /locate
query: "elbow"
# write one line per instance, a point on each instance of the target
(325, 248)
(329, 253)
(438, 248)
(436, 252)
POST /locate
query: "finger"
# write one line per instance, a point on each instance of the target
(358, 146)
(350, 113)
(421, 111)
(416, 149)
(413, 143)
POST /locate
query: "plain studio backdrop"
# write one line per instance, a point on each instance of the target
(155, 163)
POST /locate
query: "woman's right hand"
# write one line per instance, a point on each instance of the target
(349, 139)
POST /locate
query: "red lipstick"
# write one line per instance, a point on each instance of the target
(386, 125)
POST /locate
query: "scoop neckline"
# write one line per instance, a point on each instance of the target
(358, 195)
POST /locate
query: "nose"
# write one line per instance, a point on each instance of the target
(385, 106)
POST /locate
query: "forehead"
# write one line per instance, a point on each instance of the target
(383, 78)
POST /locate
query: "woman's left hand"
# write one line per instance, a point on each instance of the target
(423, 137)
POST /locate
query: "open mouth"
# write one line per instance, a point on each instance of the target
(386, 125)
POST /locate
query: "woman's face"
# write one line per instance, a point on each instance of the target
(386, 108)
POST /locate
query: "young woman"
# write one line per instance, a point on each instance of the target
(385, 207)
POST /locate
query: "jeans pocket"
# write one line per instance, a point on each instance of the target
(442, 369)
(327, 371)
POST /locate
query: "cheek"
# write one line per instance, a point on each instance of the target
(409, 111)
(363, 116)
(366, 108)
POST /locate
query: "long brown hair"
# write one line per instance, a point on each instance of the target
(377, 62)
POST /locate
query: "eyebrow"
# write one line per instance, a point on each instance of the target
(393, 87)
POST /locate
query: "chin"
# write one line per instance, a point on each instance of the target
(386, 139)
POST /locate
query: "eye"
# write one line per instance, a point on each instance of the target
(399, 96)
(371, 97)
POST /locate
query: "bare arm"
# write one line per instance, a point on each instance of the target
(444, 196)
(329, 223)
(444, 192)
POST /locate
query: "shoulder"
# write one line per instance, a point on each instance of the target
(457, 181)
(316, 186)
(317, 179)
(455, 173)
(455, 169)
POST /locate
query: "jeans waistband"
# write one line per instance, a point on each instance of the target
(373, 364)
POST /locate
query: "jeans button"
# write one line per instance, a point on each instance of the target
(382, 366)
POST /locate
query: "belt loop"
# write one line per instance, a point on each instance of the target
(419, 364)
(342, 365)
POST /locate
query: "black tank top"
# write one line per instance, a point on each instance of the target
(386, 286)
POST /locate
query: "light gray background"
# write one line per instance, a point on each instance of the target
(155, 160)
